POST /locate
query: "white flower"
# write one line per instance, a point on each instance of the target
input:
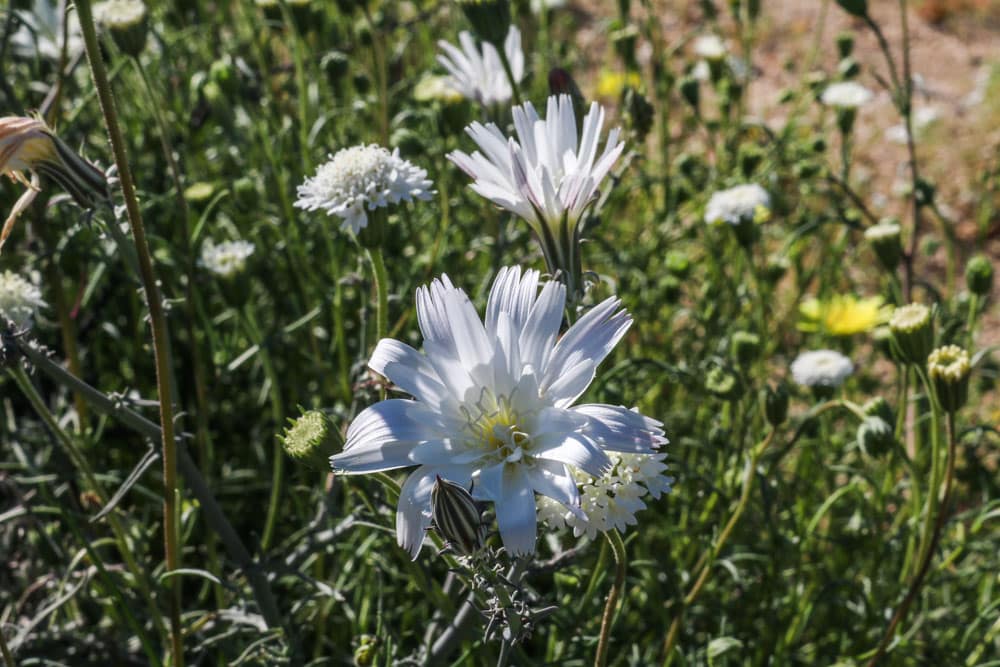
(743, 202)
(226, 259)
(922, 117)
(846, 95)
(479, 74)
(821, 368)
(611, 500)
(360, 178)
(710, 47)
(41, 30)
(19, 300)
(539, 6)
(494, 405)
(549, 172)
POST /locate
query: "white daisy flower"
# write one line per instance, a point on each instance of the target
(19, 300)
(494, 405)
(549, 175)
(743, 202)
(360, 179)
(226, 259)
(477, 73)
(710, 47)
(846, 95)
(611, 500)
(821, 368)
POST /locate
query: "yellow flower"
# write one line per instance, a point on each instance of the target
(843, 315)
(28, 145)
(612, 84)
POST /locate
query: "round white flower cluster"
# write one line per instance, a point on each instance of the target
(226, 259)
(19, 300)
(361, 178)
(612, 500)
(743, 202)
(821, 368)
(710, 47)
(846, 95)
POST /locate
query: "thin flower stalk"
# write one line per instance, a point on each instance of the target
(611, 605)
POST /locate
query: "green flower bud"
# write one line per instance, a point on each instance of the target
(750, 157)
(456, 516)
(690, 91)
(776, 405)
(126, 21)
(490, 19)
(678, 263)
(848, 68)
(949, 369)
(819, 144)
(407, 141)
(311, 440)
(979, 275)
(875, 435)
(722, 383)
(925, 192)
(845, 118)
(367, 651)
(845, 44)
(854, 7)
(639, 112)
(745, 347)
(885, 240)
(335, 65)
(879, 407)
(912, 329)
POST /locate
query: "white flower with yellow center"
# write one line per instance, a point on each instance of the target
(19, 301)
(360, 179)
(748, 202)
(846, 95)
(477, 73)
(227, 258)
(494, 405)
(821, 368)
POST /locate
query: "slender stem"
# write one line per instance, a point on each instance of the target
(708, 558)
(8, 659)
(611, 606)
(157, 318)
(925, 561)
(381, 293)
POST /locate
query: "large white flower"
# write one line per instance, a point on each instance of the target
(494, 405)
(360, 179)
(549, 171)
(821, 368)
(19, 300)
(479, 74)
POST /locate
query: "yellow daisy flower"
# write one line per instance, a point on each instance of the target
(843, 314)
(612, 84)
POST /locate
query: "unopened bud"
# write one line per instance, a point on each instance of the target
(949, 368)
(311, 440)
(776, 404)
(885, 240)
(126, 21)
(490, 19)
(912, 329)
(456, 517)
(979, 275)
(722, 383)
(745, 347)
(875, 435)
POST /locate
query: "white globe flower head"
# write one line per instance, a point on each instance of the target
(846, 95)
(20, 300)
(710, 47)
(748, 202)
(611, 501)
(494, 405)
(821, 368)
(549, 175)
(227, 258)
(360, 179)
(477, 73)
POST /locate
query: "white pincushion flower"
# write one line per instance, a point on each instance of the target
(710, 47)
(846, 95)
(494, 405)
(360, 179)
(478, 74)
(226, 259)
(821, 368)
(549, 175)
(611, 500)
(748, 202)
(19, 300)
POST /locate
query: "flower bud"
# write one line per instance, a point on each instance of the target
(875, 435)
(845, 44)
(639, 112)
(367, 651)
(979, 275)
(335, 65)
(848, 68)
(126, 21)
(311, 440)
(854, 7)
(885, 240)
(456, 516)
(912, 329)
(745, 347)
(490, 19)
(949, 368)
(722, 383)
(879, 407)
(776, 405)
(750, 157)
(690, 91)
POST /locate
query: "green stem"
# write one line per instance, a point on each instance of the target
(157, 318)
(611, 606)
(381, 293)
(8, 659)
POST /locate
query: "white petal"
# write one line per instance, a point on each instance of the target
(618, 429)
(511, 294)
(413, 511)
(409, 370)
(573, 449)
(383, 436)
(516, 513)
(554, 480)
(542, 326)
